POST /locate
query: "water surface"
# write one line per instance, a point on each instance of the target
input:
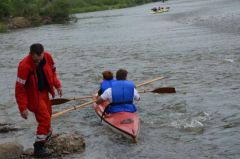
(195, 44)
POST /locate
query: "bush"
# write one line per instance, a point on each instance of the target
(58, 10)
(4, 9)
(3, 28)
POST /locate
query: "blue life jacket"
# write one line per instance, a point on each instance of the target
(105, 85)
(122, 97)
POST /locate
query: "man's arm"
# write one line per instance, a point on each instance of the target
(107, 95)
(20, 91)
(136, 95)
(56, 81)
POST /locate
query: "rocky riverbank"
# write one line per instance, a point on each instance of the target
(24, 22)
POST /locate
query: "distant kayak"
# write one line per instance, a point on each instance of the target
(160, 11)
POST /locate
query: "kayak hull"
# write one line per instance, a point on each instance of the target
(125, 123)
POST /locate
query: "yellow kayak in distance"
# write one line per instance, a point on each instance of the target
(160, 11)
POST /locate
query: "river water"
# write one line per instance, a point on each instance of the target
(196, 45)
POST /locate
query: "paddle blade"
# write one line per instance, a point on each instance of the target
(164, 90)
(57, 101)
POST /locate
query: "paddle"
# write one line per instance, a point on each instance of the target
(91, 102)
(160, 90)
(150, 81)
(72, 108)
(157, 90)
(57, 101)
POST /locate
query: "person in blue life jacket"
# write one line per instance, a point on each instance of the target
(121, 95)
(106, 83)
(154, 9)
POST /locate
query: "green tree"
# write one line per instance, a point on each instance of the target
(4, 8)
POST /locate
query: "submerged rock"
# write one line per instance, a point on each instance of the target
(5, 127)
(189, 125)
(10, 150)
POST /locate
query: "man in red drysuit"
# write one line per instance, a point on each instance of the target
(36, 78)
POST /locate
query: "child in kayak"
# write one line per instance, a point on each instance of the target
(106, 83)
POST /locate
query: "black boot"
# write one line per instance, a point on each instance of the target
(39, 150)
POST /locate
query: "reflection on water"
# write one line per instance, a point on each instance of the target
(200, 60)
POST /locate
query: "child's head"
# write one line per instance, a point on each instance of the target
(107, 75)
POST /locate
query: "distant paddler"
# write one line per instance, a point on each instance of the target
(156, 9)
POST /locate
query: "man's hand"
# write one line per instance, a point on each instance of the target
(24, 114)
(59, 90)
(99, 100)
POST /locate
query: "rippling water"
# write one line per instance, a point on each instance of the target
(196, 45)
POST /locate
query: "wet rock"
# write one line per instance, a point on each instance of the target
(229, 125)
(5, 127)
(59, 145)
(10, 150)
(62, 144)
(3, 124)
(28, 152)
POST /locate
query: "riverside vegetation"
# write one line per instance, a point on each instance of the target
(27, 13)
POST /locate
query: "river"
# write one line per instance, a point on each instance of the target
(196, 45)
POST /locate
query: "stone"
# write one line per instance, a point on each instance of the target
(62, 144)
(10, 150)
(7, 128)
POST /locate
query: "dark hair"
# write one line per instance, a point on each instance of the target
(121, 74)
(36, 49)
(107, 75)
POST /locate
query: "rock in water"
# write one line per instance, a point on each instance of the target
(6, 127)
(61, 144)
(10, 150)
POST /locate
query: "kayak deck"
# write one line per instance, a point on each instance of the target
(126, 123)
(160, 11)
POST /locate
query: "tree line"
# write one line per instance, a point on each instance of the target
(39, 12)
(56, 9)
(60, 9)
(78, 6)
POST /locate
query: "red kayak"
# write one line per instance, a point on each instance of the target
(128, 124)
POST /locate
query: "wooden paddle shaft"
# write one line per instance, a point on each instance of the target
(84, 97)
(150, 81)
(144, 91)
(139, 85)
(72, 108)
